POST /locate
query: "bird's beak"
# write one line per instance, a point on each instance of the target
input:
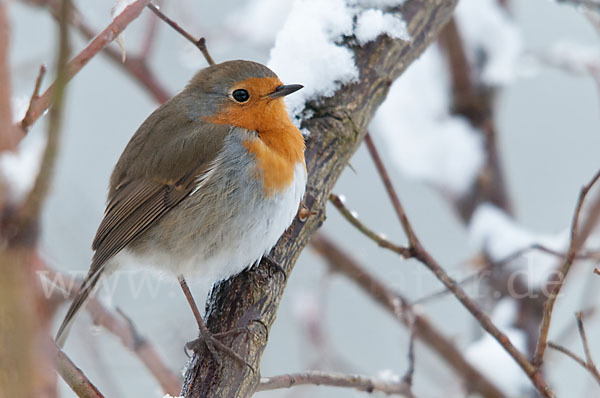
(282, 91)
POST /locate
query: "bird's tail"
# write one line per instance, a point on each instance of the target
(81, 298)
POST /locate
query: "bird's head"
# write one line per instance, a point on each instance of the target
(240, 93)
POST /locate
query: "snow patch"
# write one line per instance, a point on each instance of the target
(309, 49)
(492, 230)
(487, 28)
(425, 141)
(388, 376)
(490, 358)
(19, 169)
(372, 23)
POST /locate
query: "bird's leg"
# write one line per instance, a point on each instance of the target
(206, 336)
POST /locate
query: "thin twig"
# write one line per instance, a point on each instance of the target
(586, 255)
(586, 346)
(319, 378)
(374, 236)
(567, 352)
(117, 26)
(29, 213)
(426, 259)
(593, 371)
(36, 91)
(408, 376)
(74, 377)
(444, 292)
(577, 240)
(135, 65)
(400, 308)
(200, 43)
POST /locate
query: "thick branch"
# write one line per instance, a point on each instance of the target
(337, 128)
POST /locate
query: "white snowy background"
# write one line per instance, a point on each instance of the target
(548, 136)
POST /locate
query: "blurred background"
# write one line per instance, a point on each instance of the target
(547, 126)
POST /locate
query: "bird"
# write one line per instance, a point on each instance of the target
(206, 185)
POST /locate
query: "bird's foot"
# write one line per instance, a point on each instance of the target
(269, 260)
(214, 345)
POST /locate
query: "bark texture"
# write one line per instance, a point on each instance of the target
(338, 125)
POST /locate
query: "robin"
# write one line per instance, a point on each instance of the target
(207, 184)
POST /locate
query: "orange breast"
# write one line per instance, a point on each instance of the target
(275, 169)
(280, 145)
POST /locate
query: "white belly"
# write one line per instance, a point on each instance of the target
(241, 240)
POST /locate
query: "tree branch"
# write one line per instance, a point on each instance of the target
(200, 43)
(74, 377)
(577, 241)
(117, 26)
(474, 101)
(251, 298)
(398, 306)
(588, 364)
(374, 236)
(122, 327)
(426, 259)
(318, 378)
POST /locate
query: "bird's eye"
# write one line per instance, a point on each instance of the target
(240, 95)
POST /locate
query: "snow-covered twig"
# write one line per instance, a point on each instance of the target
(369, 233)
(577, 239)
(74, 377)
(200, 43)
(421, 254)
(399, 307)
(588, 363)
(319, 378)
(117, 26)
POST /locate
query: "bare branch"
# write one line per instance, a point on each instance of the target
(122, 327)
(408, 376)
(28, 215)
(117, 26)
(318, 378)
(377, 238)
(426, 259)
(586, 346)
(474, 101)
(74, 377)
(36, 91)
(577, 240)
(399, 307)
(200, 43)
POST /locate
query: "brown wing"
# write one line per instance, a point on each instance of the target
(134, 207)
